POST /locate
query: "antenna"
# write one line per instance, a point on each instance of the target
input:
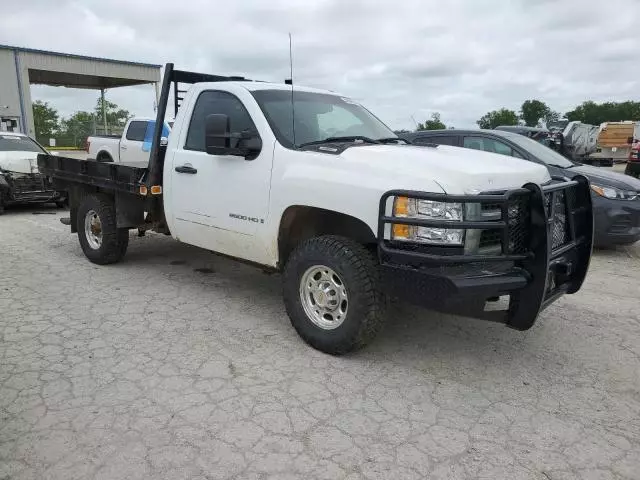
(293, 108)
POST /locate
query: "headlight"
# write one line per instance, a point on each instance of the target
(612, 192)
(405, 207)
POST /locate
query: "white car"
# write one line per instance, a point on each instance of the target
(20, 180)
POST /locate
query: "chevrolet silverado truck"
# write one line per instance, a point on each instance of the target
(132, 146)
(311, 184)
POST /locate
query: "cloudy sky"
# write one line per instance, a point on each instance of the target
(402, 59)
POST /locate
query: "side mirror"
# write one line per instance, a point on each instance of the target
(220, 141)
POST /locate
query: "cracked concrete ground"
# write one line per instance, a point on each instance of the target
(151, 369)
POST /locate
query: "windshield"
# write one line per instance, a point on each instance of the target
(18, 143)
(318, 116)
(538, 150)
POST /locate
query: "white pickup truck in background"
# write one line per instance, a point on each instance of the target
(132, 146)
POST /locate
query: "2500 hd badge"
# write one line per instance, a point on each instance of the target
(246, 219)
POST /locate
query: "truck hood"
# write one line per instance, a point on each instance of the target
(456, 170)
(19, 161)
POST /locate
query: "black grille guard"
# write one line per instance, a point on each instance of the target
(552, 269)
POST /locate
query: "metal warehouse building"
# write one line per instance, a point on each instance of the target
(21, 67)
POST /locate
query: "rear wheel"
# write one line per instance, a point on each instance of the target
(332, 294)
(101, 241)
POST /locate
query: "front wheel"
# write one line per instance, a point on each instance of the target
(332, 294)
(101, 241)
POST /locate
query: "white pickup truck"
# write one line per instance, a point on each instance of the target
(349, 213)
(132, 146)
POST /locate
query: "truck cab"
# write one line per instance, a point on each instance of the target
(310, 184)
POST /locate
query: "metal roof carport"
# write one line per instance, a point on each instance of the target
(21, 67)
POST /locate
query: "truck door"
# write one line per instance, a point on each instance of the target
(219, 201)
(131, 142)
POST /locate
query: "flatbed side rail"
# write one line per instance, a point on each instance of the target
(110, 176)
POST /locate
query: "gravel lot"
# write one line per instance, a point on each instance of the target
(178, 364)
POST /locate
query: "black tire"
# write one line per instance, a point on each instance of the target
(358, 269)
(114, 240)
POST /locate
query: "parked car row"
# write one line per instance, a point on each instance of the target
(615, 197)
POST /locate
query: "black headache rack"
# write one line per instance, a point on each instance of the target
(541, 238)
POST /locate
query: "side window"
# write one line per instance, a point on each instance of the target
(137, 130)
(216, 102)
(488, 145)
(517, 155)
(474, 143)
(501, 148)
(437, 139)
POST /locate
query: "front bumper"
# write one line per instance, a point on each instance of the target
(617, 222)
(544, 254)
(27, 188)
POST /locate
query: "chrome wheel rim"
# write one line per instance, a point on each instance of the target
(324, 297)
(93, 229)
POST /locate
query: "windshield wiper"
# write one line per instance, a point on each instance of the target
(351, 138)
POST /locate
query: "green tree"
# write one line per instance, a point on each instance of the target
(116, 116)
(434, 124)
(495, 118)
(597, 113)
(45, 119)
(76, 129)
(532, 111)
